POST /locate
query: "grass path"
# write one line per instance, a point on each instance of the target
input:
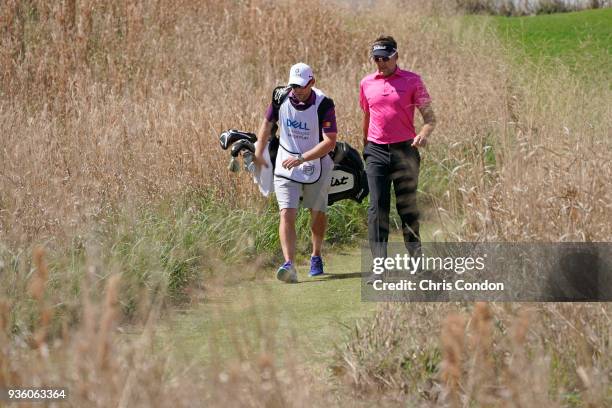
(309, 317)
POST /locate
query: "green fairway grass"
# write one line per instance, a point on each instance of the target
(309, 318)
(581, 40)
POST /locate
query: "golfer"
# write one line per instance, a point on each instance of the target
(307, 130)
(388, 98)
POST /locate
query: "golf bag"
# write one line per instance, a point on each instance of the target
(348, 181)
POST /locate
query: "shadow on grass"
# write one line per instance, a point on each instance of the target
(333, 276)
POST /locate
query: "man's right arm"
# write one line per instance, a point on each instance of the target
(366, 125)
(363, 103)
(262, 137)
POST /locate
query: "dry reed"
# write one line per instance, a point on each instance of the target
(452, 339)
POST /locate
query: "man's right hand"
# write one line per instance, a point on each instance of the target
(262, 137)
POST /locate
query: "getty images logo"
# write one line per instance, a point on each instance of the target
(296, 124)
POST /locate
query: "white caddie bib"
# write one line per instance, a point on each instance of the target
(298, 133)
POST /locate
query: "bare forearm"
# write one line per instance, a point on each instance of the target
(321, 149)
(426, 130)
(429, 120)
(263, 135)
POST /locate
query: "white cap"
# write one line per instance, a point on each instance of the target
(300, 74)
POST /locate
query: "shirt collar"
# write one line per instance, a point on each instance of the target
(397, 72)
(296, 102)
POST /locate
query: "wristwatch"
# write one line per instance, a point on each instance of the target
(300, 158)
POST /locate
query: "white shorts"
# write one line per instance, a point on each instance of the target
(314, 196)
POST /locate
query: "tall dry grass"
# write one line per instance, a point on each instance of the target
(108, 105)
(101, 362)
(111, 107)
(122, 102)
(488, 355)
(540, 171)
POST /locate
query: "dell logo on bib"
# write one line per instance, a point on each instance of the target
(296, 124)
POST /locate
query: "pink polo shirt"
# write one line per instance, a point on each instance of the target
(391, 101)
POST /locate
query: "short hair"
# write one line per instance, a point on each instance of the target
(385, 40)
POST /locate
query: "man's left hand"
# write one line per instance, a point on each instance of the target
(291, 163)
(419, 141)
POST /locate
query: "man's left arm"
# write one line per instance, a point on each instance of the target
(329, 131)
(324, 147)
(321, 149)
(429, 123)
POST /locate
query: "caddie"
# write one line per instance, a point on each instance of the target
(306, 122)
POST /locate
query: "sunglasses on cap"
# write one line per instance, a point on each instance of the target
(385, 59)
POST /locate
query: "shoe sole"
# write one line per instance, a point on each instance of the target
(285, 275)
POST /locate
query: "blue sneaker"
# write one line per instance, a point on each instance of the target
(287, 273)
(316, 266)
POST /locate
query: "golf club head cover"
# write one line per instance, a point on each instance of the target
(279, 94)
(231, 136)
(241, 145)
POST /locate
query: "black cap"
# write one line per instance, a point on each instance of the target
(383, 50)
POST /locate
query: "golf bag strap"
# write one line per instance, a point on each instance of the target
(279, 95)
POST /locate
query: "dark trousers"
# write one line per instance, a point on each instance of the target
(396, 163)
